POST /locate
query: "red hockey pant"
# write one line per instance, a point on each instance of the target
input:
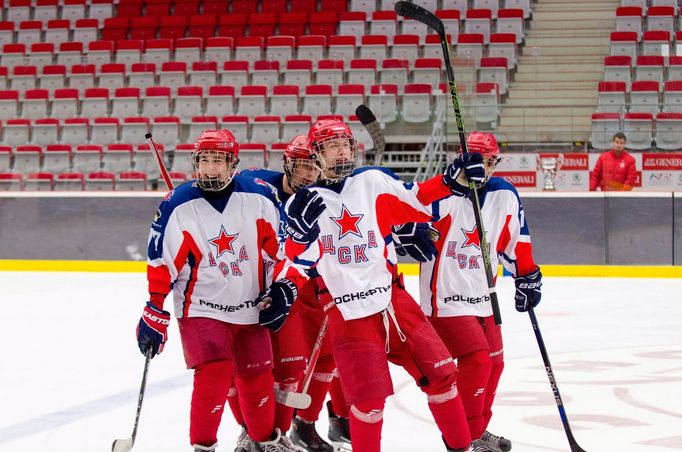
(476, 343)
(360, 348)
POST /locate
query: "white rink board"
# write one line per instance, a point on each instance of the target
(70, 371)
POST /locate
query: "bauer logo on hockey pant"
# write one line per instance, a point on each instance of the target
(361, 295)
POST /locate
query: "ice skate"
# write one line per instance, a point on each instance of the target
(279, 443)
(305, 435)
(478, 445)
(339, 430)
(496, 443)
(243, 442)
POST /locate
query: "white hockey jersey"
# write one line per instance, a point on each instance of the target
(354, 253)
(210, 251)
(454, 283)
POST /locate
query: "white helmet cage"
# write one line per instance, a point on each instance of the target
(214, 169)
(341, 166)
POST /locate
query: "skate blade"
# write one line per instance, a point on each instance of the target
(341, 446)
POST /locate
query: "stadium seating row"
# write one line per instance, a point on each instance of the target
(75, 181)
(644, 96)
(253, 100)
(167, 130)
(656, 42)
(643, 130)
(634, 18)
(646, 67)
(280, 49)
(174, 75)
(46, 10)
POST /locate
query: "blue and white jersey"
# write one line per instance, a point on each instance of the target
(454, 283)
(354, 253)
(210, 251)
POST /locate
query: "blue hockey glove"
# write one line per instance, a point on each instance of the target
(277, 300)
(152, 329)
(528, 290)
(416, 239)
(303, 212)
(465, 168)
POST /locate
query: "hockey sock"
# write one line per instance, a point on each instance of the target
(472, 383)
(491, 390)
(233, 401)
(366, 419)
(339, 404)
(283, 413)
(211, 384)
(448, 412)
(318, 388)
(257, 403)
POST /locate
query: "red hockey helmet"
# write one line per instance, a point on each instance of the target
(299, 148)
(334, 148)
(215, 159)
(217, 140)
(485, 144)
(299, 164)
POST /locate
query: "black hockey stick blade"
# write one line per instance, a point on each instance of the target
(416, 12)
(552, 382)
(126, 445)
(372, 126)
(364, 114)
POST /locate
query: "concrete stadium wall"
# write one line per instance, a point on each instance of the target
(566, 228)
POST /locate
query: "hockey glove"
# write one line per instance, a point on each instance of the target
(465, 168)
(302, 214)
(152, 329)
(277, 300)
(416, 239)
(528, 290)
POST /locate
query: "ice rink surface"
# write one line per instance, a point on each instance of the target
(70, 370)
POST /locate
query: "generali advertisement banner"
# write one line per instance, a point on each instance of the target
(656, 171)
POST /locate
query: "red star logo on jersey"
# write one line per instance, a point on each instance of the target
(223, 242)
(471, 238)
(348, 223)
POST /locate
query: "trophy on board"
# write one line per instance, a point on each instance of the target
(549, 166)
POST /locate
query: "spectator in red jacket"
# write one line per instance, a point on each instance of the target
(615, 169)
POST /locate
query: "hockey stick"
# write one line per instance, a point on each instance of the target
(125, 445)
(159, 161)
(301, 400)
(555, 389)
(371, 124)
(426, 17)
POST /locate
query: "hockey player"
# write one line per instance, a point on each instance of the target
(342, 227)
(205, 244)
(292, 344)
(454, 290)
